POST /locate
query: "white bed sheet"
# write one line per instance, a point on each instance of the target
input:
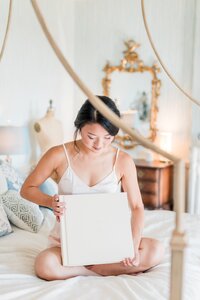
(19, 249)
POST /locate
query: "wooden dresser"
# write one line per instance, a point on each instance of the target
(155, 181)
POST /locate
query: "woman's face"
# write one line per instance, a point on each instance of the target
(95, 137)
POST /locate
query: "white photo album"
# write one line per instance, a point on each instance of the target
(95, 229)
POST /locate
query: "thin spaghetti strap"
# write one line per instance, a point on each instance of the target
(66, 154)
(116, 157)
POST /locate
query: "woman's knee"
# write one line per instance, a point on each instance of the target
(46, 266)
(156, 252)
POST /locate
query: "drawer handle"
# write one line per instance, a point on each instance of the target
(141, 185)
(140, 174)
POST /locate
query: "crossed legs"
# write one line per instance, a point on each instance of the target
(151, 253)
(48, 264)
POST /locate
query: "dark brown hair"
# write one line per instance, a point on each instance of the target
(88, 114)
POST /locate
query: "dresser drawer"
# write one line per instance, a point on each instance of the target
(148, 187)
(155, 183)
(147, 174)
(150, 201)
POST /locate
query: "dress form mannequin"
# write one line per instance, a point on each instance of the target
(49, 130)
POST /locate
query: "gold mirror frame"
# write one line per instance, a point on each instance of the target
(132, 63)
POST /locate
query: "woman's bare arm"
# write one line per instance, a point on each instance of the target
(130, 185)
(44, 169)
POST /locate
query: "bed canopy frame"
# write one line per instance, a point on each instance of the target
(178, 240)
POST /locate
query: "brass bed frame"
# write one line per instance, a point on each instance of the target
(178, 240)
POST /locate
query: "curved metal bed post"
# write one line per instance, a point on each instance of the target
(6, 32)
(178, 239)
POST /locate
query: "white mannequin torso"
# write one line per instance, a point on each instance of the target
(49, 131)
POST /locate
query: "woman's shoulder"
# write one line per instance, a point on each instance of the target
(56, 156)
(57, 151)
(124, 155)
(125, 159)
(61, 147)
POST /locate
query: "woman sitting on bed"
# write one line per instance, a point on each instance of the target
(90, 165)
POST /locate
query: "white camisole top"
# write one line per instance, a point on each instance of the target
(70, 183)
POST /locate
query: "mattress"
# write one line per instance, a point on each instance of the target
(19, 249)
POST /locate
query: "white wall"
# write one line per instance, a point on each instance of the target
(102, 26)
(90, 32)
(30, 73)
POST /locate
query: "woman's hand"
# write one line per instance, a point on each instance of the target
(58, 207)
(135, 261)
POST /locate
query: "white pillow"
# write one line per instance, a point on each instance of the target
(13, 178)
(3, 183)
(21, 212)
(5, 227)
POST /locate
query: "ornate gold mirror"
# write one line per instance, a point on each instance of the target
(146, 109)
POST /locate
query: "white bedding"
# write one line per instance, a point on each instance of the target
(18, 281)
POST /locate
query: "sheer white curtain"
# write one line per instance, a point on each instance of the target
(194, 182)
(196, 75)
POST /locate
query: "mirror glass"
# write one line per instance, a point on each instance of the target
(130, 93)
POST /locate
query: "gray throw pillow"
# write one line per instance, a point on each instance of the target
(5, 227)
(21, 212)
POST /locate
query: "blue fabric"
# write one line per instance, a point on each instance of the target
(48, 188)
